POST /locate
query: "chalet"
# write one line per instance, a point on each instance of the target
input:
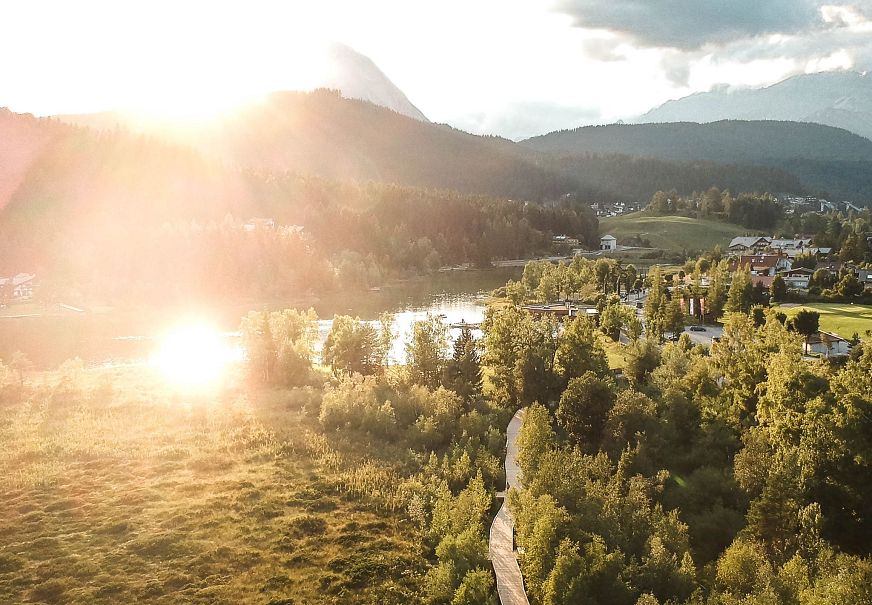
(608, 242)
(19, 287)
(767, 265)
(745, 244)
(797, 279)
(827, 344)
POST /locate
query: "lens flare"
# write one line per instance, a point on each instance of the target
(195, 357)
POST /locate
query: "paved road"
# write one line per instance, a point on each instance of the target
(510, 584)
(705, 337)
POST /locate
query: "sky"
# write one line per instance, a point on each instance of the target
(510, 67)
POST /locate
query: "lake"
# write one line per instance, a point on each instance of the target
(130, 336)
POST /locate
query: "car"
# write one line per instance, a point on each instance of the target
(696, 329)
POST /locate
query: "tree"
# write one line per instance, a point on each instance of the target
(778, 289)
(353, 346)
(741, 290)
(535, 439)
(654, 304)
(584, 407)
(463, 370)
(503, 346)
(807, 322)
(614, 317)
(425, 352)
(477, 588)
(849, 286)
(579, 351)
(717, 292)
(673, 316)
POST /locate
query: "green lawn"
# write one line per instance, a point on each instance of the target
(839, 318)
(672, 232)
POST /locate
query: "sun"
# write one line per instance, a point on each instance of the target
(195, 356)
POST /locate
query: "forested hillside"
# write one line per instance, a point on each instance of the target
(820, 159)
(175, 223)
(322, 133)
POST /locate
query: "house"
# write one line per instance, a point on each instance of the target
(818, 252)
(608, 242)
(763, 264)
(745, 244)
(790, 244)
(564, 240)
(797, 279)
(564, 309)
(259, 224)
(18, 287)
(827, 344)
(864, 276)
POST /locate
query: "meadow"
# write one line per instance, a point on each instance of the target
(672, 233)
(116, 489)
(839, 318)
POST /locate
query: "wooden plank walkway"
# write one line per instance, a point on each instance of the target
(510, 584)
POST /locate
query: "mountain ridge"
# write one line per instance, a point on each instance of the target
(841, 99)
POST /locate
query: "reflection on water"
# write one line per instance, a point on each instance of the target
(125, 337)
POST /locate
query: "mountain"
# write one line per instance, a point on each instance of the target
(842, 99)
(338, 67)
(824, 160)
(723, 141)
(358, 77)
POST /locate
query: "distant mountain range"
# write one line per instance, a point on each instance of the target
(842, 99)
(723, 141)
(826, 160)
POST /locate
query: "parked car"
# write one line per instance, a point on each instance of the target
(696, 329)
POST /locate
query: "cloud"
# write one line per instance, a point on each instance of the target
(691, 24)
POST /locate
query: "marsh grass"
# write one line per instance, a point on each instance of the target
(117, 490)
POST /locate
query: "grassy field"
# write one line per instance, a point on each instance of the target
(615, 351)
(674, 233)
(117, 491)
(838, 318)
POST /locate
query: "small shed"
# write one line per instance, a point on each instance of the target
(827, 344)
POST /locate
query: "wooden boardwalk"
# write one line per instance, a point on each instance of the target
(510, 584)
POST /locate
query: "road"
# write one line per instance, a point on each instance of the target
(705, 337)
(510, 584)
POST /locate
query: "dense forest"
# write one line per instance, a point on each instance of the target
(319, 234)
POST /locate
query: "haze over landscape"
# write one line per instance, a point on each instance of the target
(489, 303)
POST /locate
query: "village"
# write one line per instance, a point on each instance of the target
(790, 273)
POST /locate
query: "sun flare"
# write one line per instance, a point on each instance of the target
(195, 356)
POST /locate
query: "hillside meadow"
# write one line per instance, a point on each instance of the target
(672, 233)
(117, 489)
